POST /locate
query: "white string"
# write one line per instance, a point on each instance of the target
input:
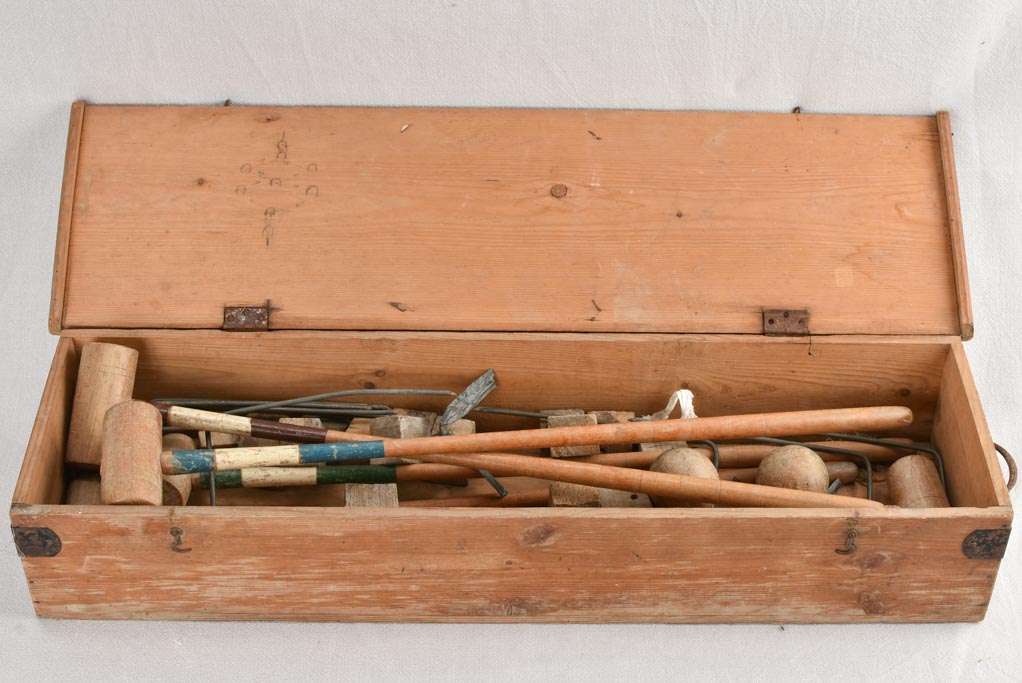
(683, 398)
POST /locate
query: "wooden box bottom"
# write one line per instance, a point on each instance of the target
(536, 564)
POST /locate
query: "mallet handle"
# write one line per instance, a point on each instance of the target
(423, 448)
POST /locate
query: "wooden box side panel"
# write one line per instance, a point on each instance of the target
(960, 431)
(41, 480)
(67, 195)
(955, 228)
(497, 219)
(497, 565)
(728, 374)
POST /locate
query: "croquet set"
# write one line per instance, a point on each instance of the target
(392, 364)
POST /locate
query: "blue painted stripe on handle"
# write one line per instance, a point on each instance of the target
(190, 462)
(310, 454)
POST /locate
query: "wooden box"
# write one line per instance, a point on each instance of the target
(594, 259)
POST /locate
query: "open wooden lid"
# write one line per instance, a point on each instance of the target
(514, 220)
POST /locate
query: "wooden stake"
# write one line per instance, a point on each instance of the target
(573, 496)
(572, 421)
(106, 377)
(370, 496)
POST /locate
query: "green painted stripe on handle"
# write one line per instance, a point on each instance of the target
(357, 474)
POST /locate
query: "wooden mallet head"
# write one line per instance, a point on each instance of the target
(130, 468)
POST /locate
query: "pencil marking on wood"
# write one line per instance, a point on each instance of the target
(595, 136)
(598, 311)
(268, 215)
(404, 308)
(282, 147)
(278, 180)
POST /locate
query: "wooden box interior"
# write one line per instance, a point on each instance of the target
(667, 565)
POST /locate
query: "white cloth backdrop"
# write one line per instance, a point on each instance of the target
(833, 56)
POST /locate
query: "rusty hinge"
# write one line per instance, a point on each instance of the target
(786, 322)
(247, 318)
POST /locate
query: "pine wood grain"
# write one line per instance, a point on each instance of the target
(539, 565)
(41, 479)
(67, 197)
(955, 229)
(668, 221)
(961, 427)
(729, 374)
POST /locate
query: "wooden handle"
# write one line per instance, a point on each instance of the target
(239, 425)
(727, 427)
(679, 486)
(537, 498)
(718, 428)
(637, 481)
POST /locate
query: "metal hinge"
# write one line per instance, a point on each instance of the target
(786, 322)
(36, 541)
(247, 318)
(986, 544)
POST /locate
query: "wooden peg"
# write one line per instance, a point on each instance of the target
(106, 377)
(564, 495)
(572, 420)
(544, 421)
(132, 439)
(401, 426)
(360, 425)
(794, 467)
(462, 426)
(915, 483)
(370, 495)
(611, 498)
